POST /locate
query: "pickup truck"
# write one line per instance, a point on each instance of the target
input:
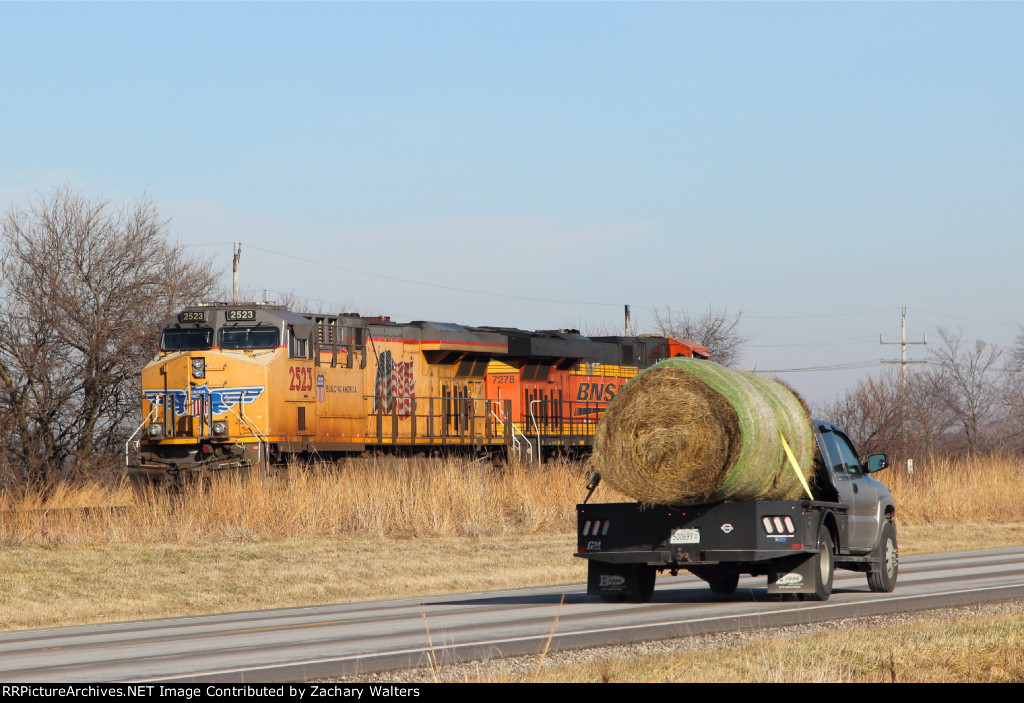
(849, 523)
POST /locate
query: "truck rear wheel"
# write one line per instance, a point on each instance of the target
(825, 571)
(724, 585)
(882, 574)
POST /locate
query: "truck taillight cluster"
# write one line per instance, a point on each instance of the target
(778, 525)
(593, 528)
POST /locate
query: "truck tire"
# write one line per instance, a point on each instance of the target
(882, 574)
(724, 585)
(825, 572)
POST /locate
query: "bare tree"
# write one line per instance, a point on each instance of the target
(870, 412)
(963, 382)
(83, 285)
(1013, 393)
(718, 330)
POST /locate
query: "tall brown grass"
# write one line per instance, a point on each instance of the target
(415, 498)
(978, 490)
(386, 497)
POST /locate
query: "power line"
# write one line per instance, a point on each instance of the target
(433, 285)
(833, 343)
(849, 366)
(807, 317)
(965, 319)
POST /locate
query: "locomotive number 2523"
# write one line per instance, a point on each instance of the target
(233, 315)
(302, 378)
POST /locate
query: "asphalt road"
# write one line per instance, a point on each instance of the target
(296, 644)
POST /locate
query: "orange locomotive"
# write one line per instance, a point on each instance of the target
(244, 385)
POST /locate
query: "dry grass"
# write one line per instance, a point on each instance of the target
(87, 583)
(944, 647)
(397, 498)
(980, 490)
(361, 498)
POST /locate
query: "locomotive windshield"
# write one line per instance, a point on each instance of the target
(187, 340)
(249, 337)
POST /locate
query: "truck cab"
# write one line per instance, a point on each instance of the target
(845, 479)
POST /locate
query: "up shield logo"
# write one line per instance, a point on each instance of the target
(201, 398)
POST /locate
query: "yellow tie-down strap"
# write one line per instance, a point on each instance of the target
(795, 465)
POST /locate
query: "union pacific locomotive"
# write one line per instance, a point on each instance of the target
(237, 386)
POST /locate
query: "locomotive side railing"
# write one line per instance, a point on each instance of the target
(451, 419)
(448, 419)
(548, 418)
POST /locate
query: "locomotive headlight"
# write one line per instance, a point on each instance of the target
(220, 428)
(155, 431)
(199, 367)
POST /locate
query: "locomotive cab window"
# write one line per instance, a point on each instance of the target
(249, 337)
(187, 340)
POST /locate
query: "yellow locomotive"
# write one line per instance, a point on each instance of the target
(236, 386)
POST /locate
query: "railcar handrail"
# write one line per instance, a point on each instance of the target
(131, 437)
(515, 441)
(262, 441)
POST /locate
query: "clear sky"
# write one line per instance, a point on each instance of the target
(539, 165)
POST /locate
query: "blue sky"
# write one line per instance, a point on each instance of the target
(817, 165)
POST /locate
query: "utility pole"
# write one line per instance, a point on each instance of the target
(903, 350)
(903, 379)
(234, 270)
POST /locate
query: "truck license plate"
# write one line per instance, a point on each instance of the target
(685, 536)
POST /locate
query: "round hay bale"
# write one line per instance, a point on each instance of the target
(689, 431)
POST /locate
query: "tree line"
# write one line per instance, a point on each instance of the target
(83, 285)
(967, 398)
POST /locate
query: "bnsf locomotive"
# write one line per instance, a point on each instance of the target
(250, 385)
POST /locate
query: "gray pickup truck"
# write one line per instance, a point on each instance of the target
(798, 544)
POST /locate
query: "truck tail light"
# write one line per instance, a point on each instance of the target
(778, 525)
(593, 528)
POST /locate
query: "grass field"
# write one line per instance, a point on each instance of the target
(390, 528)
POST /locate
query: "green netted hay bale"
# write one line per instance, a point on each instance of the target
(689, 431)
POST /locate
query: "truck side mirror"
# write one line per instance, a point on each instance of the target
(877, 462)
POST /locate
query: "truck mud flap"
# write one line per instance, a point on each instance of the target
(808, 576)
(620, 583)
(793, 575)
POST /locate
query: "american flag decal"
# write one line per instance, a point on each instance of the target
(200, 404)
(394, 385)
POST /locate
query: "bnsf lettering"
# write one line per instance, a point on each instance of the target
(602, 392)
